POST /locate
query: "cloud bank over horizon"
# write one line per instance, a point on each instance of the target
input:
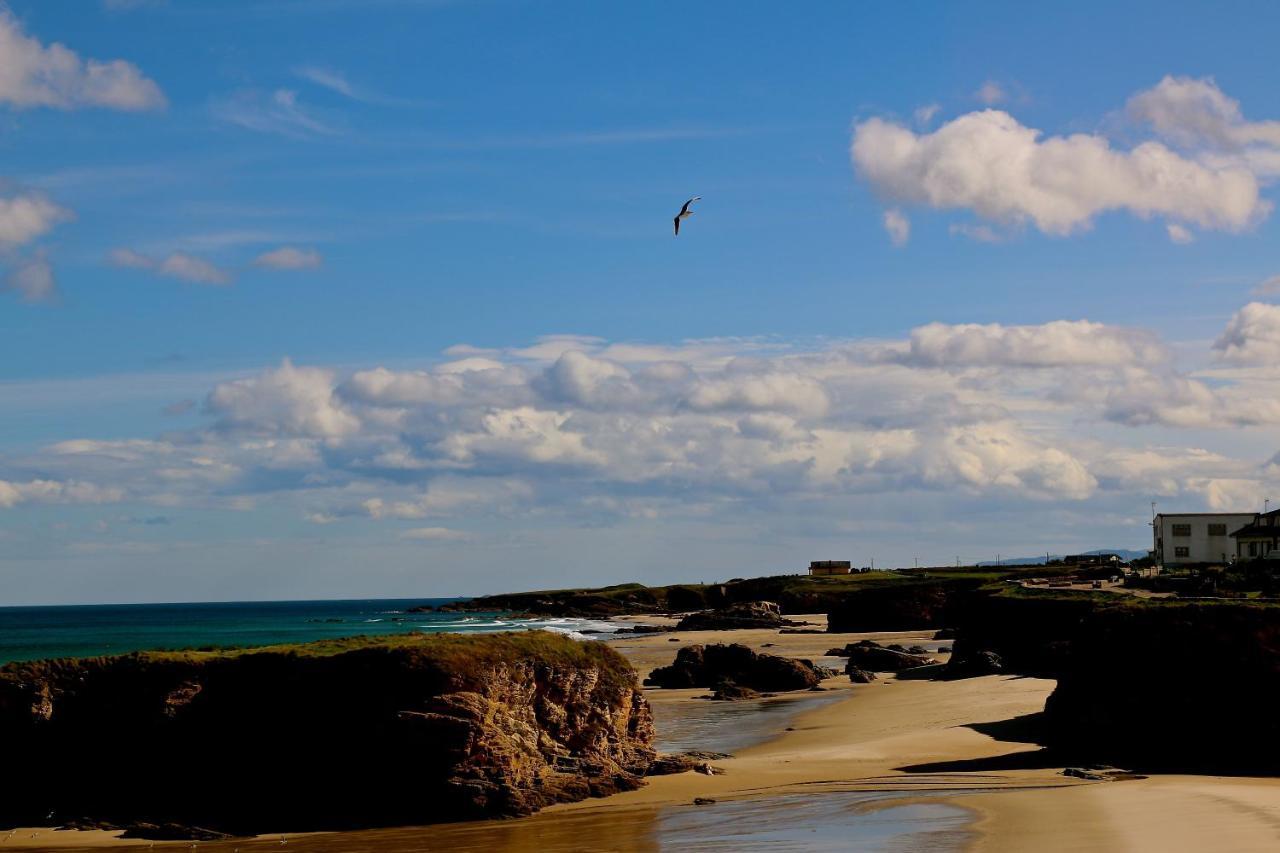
(1066, 414)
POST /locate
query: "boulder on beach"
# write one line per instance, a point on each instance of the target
(709, 666)
(727, 691)
(868, 655)
(749, 614)
(973, 664)
(857, 674)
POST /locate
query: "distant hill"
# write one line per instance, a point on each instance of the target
(1122, 553)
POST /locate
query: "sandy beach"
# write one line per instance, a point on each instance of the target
(879, 747)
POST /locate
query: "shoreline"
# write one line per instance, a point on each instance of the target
(891, 744)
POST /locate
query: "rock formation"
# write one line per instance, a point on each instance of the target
(752, 614)
(868, 655)
(709, 666)
(358, 732)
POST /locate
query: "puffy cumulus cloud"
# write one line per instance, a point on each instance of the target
(56, 492)
(25, 217)
(382, 387)
(785, 391)
(287, 400)
(1252, 336)
(1061, 343)
(1195, 113)
(36, 75)
(289, 258)
(1006, 172)
(1003, 456)
(595, 430)
(525, 434)
(179, 265)
(576, 377)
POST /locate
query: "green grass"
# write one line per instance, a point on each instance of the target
(456, 654)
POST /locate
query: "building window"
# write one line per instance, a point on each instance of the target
(1253, 549)
(1182, 551)
(1217, 530)
(1182, 530)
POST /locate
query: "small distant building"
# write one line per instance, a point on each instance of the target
(1187, 538)
(1260, 537)
(830, 567)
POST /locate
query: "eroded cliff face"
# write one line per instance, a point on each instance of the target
(411, 730)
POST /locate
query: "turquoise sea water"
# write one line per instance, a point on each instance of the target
(32, 633)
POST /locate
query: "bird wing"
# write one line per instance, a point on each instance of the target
(685, 208)
(677, 220)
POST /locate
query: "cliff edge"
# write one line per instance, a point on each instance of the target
(335, 734)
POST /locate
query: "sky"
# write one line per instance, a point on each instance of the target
(358, 298)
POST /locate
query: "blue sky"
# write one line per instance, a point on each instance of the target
(362, 185)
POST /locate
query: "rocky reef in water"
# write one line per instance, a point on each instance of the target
(335, 734)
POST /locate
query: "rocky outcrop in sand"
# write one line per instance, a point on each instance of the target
(752, 614)
(712, 666)
(874, 657)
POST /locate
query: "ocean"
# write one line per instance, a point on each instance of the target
(33, 633)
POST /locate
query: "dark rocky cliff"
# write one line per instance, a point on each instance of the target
(1173, 686)
(337, 734)
(912, 604)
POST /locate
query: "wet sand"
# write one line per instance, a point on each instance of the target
(871, 767)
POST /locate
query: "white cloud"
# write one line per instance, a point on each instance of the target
(1195, 113)
(1060, 343)
(190, 268)
(287, 400)
(278, 112)
(923, 115)
(179, 265)
(36, 75)
(434, 534)
(289, 258)
(1252, 336)
(898, 226)
(1180, 234)
(26, 217)
(1007, 173)
(991, 93)
(1268, 287)
(55, 492)
(1061, 411)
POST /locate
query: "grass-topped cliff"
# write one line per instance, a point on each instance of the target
(794, 593)
(353, 732)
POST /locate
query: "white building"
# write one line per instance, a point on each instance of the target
(1197, 537)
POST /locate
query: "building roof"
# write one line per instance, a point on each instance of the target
(1258, 530)
(1201, 514)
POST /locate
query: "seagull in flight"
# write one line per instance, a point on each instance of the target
(685, 212)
